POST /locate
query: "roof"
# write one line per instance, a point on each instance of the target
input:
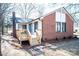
(20, 20)
(27, 20)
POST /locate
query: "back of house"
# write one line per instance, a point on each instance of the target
(57, 25)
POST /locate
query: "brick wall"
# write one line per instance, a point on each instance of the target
(49, 25)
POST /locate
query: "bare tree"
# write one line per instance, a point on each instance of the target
(40, 9)
(4, 10)
(26, 9)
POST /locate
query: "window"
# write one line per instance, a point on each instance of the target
(58, 26)
(24, 26)
(63, 27)
(35, 26)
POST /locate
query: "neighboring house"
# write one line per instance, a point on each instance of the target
(76, 27)
(55, 25)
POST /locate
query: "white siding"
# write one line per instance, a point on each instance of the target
(60, 17)
(63, 19)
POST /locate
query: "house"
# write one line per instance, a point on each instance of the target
(57, 24)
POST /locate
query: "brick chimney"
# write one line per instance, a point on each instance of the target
(14, 24)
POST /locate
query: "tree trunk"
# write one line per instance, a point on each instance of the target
(2, 27)
(14, 26)
(0, 45)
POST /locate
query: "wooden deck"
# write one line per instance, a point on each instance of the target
(24, 35)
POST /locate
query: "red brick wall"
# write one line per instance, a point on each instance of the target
(49, 25)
